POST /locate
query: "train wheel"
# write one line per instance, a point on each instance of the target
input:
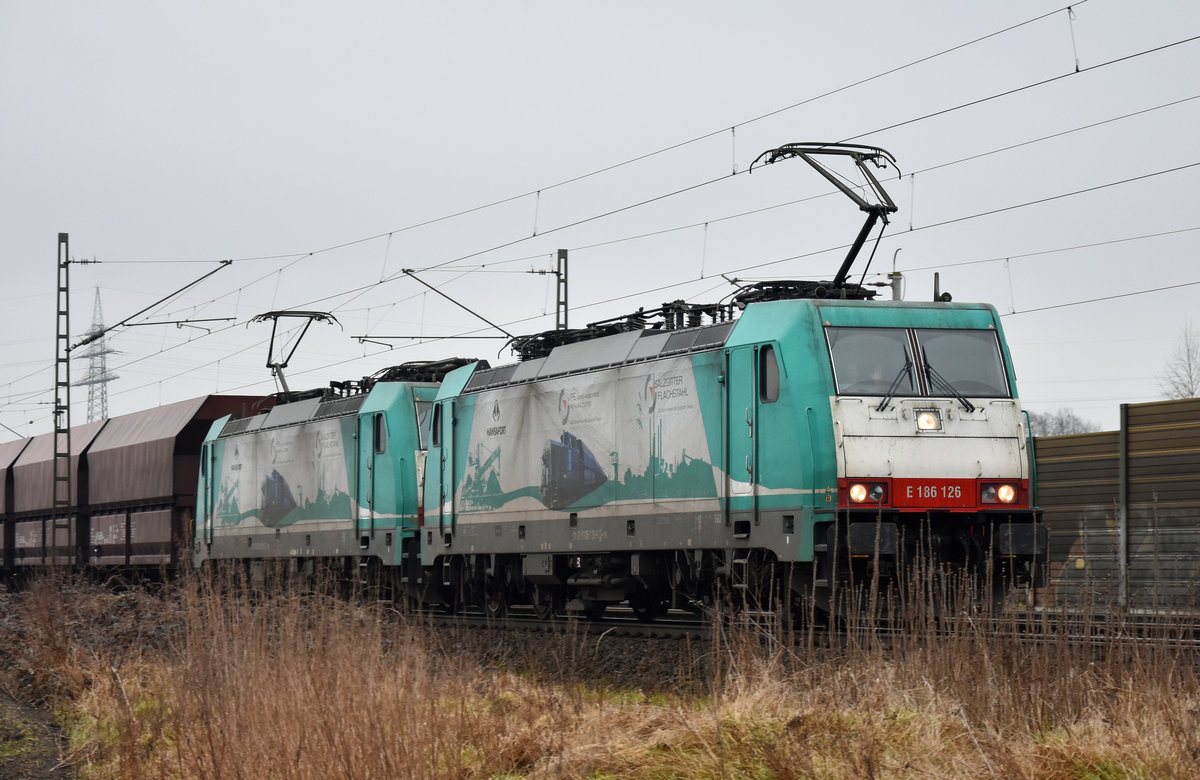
(647, 607)
(545, 604)
(495, 599)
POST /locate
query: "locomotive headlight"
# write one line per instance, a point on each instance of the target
(929, 420)
(999, 494)
(860, 493)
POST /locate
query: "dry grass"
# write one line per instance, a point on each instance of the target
(232, 684)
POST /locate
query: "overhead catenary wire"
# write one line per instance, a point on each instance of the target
(664, 288)
(1024, 87)
(739, 215)
(665, 149)
(924, 227)
(1057, 250)
(828, 249)
(735, 172)
(348, 244)
(941, 112)
(1102, 298)
(490, 267)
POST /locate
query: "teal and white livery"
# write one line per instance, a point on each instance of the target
(650, 466)
(805, 436)
(330, 479)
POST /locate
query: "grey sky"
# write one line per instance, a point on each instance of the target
(200, 132)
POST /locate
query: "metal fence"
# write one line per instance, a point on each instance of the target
(1123, 510)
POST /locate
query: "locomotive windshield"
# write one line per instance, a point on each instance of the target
(868, 361)
(969, 360)
(947, 362)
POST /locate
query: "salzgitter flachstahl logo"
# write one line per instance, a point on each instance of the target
(649, 396)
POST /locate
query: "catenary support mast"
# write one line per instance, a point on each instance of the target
(58, 537)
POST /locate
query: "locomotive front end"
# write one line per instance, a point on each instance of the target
(932, 450)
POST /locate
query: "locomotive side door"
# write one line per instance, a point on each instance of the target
(211, 479)
(372, 442)
(741, 439)
(443, 439)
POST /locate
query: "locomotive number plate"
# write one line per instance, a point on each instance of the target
(934, 493)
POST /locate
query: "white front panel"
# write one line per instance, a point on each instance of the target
(986, 442)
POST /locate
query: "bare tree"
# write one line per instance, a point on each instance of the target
(1059, 423)
(1180, 377)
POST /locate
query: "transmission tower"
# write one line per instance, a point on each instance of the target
(98, 376)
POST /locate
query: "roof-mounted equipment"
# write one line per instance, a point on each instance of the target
(413, 371)
(674, 315)
(538, 345)
(274, 316)
(878, 207)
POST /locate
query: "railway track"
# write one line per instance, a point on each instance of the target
(620, 623)
(1100, 633)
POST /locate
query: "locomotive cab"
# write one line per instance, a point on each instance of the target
(932, 452)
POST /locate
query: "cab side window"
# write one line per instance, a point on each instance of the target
(768, 375)
(380, 435)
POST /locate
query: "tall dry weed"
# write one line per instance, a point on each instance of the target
(282, 683)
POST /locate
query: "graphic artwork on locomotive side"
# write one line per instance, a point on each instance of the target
(596, 438)
(331, 478)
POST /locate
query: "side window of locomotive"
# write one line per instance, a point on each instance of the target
(380, 435)
(969, 360)
(871, 361)
(768, 375)
(424, 412)
(435, 426)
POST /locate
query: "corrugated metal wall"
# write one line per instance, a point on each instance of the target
(1123, 510)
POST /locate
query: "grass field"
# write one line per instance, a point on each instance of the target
(202, 682)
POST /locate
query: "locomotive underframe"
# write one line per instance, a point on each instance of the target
(798, 555)
(358, 558)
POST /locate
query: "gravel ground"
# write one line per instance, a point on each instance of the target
(572, 656)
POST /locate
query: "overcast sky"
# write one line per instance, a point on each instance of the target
(325, 147)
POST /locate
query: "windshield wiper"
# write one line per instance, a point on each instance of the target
(938, 379)
(891, 391)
